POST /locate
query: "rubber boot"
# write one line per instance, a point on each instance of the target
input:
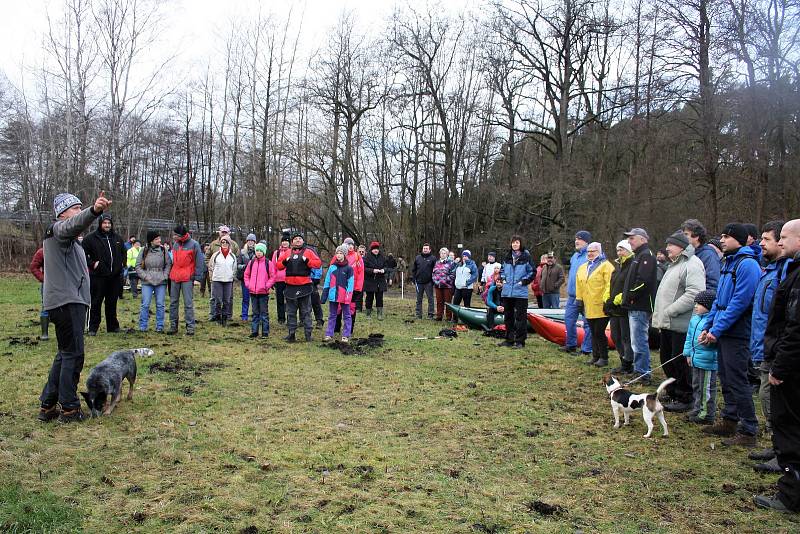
(45, 322)
(380, 314)
(369, 312)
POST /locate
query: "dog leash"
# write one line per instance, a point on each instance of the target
(651, 370)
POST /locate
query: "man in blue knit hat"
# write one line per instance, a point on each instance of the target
(572, 309)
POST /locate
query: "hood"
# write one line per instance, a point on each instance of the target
(104, 217)
(525, 256)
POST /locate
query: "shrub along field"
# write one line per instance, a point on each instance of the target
(230, 434)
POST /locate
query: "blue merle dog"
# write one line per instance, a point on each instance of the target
(105, 381)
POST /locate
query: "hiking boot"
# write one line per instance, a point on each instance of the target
(253, 335)
(724, 428)
(172, 331)
(771, 503)
(345, 340)
(768, 467)
(601, 363)
(48, 414)
(506, 343)
(700, 420)
(567, 349)
(740, 440)
(290, 338)
(678, 407)
(327, 339)
(264, 336)
(189, 332)
(591, 362)
(71, 416)
(762, 455)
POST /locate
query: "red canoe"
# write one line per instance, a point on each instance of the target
(557, 332)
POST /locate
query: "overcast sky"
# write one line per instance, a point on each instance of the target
(196, 27)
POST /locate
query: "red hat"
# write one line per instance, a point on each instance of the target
(374, 245)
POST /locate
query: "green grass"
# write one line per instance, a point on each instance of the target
(416, 436)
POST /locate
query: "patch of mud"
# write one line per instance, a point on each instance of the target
(357, 345)
(182, 364)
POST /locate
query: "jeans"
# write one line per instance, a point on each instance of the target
(104, 288)
(245, 301)
(347, 323)
(65, 372)
(734, 361)
(551, 301)
(672, 345)
(443, 296)
(176, 289)
(516, 319)
(462, 295)
(704, 393)
(144, 312)
(260, 314)
(621, 336)
(571, 318)
(222, 296)
(599, 339)
(303, 304)
(639, 323)
(426, 289)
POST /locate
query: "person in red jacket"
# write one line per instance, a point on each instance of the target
(37, 270)
(537, 282)
(297, 263)
(187, 266)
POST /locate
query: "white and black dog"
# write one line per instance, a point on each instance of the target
(625, 401)
(105, 381)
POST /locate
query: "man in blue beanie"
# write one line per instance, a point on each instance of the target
(572, 309)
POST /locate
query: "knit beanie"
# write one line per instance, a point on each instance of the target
(251, 237)
(738, 231)
(261, 247)
(583, 235)
(374, 245)
(624, 244)
(706, 298)
(466, 253)
(678, 239)
(344, 249)
(65, 201)
(180, 230)
(152, 234)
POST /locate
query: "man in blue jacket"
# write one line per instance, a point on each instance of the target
(771, 277)
(571, 309)
(698, 238)
(729, 325)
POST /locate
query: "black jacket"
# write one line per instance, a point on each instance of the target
(422, 271)
(374, 281)
(782, 336)
(618, 278)
(107, 248)
(640, 284)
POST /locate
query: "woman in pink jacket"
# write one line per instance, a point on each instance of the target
(259, 277)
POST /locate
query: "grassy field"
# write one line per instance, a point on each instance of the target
(234, 435)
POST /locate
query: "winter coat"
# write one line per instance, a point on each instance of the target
(153, 265)
(731, 313)
(131, 256)
(493, 299)
(537, 280)
(242, 259)
(422, 271)
(280, 275)
(66, 276)
(552, 278)
(187, 261)
(374, 282)
(297, 263)
(518, 273)
(339, 283)
(355, 261)
(107, 250)
(222, 268)
(593, 288)
(466, 275)
(684, 279)
(782, 336)
(640, 284)
(618, 277)
(703, 356)
(711, 262)
(578, 259)
(488, 271)
(444, 274)
(259, 276)
(37, 265)
(771, 278)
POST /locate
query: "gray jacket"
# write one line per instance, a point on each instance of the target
(66, 276)
(684, 279)
(153, 265)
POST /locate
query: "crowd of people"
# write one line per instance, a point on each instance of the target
(721, 309)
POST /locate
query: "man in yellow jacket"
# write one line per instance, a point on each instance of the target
(130, 263)
(592, 289)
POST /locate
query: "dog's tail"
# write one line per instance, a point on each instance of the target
(143, 352)
(664, 384)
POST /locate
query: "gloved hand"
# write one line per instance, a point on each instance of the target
(618, 300)
(579, 305)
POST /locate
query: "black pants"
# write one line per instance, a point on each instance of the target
(303, 304)
(462, 295)
(280, 300)
(358, 298)
(672, 345)
(516, 319)
(539, 302)
(785, 418)
(621, 335)
(104, 288)
(377, 296)
(65, 373)
(599, 339)
(316, 304)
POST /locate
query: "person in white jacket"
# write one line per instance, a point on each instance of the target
(222, 270)
(488, 269)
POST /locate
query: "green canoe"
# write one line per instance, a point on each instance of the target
(476, 317)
